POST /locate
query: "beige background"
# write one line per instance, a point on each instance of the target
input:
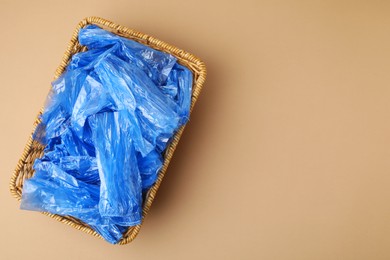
(287, 155)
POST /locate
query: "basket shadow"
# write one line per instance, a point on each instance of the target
(177, 175)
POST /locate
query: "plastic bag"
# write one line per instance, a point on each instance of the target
(107, 120)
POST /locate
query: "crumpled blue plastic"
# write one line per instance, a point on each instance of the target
(106, 123)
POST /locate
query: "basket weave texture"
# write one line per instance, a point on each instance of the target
(34, 150)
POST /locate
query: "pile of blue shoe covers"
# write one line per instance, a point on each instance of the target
(106, 123)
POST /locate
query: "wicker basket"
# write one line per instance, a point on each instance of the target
(34, 150)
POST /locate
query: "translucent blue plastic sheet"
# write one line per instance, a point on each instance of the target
(107, 120)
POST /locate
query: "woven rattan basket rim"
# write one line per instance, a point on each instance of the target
(189, 60)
